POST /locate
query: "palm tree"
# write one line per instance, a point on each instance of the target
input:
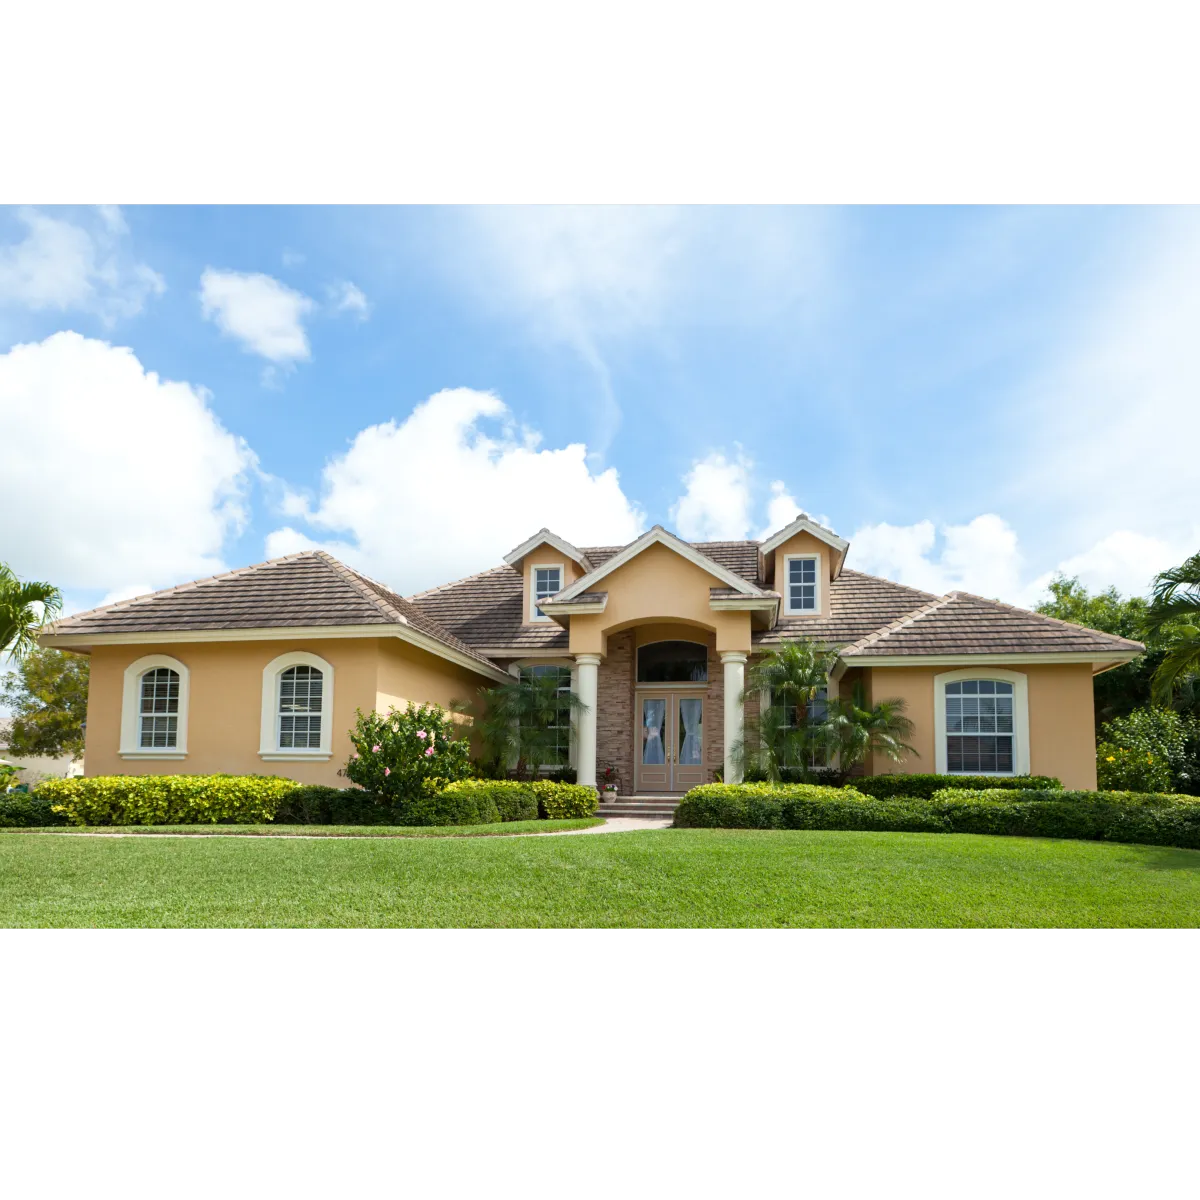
(521, 720)
(24, 609)
(790, 732)
(1175, 611)
(859, 731)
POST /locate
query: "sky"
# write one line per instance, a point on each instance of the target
(976, 397)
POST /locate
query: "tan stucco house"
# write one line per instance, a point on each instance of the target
(261, 669)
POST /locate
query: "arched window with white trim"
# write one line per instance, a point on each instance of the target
(982, 722)
(297, 708)
(154, 708)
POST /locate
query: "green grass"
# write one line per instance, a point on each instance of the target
(663, 878)
(408, 831)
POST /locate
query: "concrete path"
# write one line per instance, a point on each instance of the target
(611, 825)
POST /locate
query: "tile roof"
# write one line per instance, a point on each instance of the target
(308, 589)
(960, 623)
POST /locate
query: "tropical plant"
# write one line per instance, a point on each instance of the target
(403, 757)
(1152, 749)
(519, 723)
(24, 608)
(859, 731)
(1175, 611)
(790, 735)
(47, 695)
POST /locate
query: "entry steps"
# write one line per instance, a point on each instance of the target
(645, 805)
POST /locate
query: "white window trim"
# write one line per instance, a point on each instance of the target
(534, 568)
(1020, 682)
(818, 591)
(268, 748)
(131, 710)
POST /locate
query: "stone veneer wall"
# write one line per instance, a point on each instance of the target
(614, 711)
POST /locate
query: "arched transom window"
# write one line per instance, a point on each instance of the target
(301, 698)
(158, 709)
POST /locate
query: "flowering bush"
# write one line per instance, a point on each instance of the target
(1150, 750)
(402, 757)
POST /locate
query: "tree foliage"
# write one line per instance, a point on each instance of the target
(24, 608)
(47, 695)
(1174, 614)
(518, 722)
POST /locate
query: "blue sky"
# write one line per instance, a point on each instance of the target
(975, 396)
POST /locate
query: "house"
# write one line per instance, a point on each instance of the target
(262, 669)
(35, 768)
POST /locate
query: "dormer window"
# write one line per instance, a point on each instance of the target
(547, 582)
(803, 584)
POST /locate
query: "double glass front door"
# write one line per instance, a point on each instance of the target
(670, 741)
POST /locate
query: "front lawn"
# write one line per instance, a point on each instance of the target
(504, 829)
(654, 878)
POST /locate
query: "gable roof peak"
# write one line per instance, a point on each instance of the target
(550, 538)
(805, 524)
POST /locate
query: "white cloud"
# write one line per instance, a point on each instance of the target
(715, 505)
(62, 265)
(981, 556)
(266, 316)
(121, 477)
(431, 498)
(782, 510)
(345, 297)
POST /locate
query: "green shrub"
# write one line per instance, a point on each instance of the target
(1151, 749)
(20, 810)
(922, 787)
(312, 804)
(514, 800)
(558, 801)
(167, 799)
(1155, 819)
(402, 757)
(453, 806)
(753, 805)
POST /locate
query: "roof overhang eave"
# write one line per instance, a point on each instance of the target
(1099, 661)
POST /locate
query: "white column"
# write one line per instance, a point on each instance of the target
(734, 663)
(587, 670)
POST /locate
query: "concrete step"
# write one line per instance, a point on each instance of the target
(631, 808)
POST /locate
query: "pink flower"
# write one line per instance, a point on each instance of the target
(354, 756)
(429, 752)
(375, 749)
(421, 734)
(387, 770)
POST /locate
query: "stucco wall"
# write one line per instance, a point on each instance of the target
(659, 585)
(1061, 727)
(225, 701)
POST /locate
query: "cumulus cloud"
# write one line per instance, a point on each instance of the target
(453, 486)
(345, 297)
(981, 556)
(64, 265)
(122, 479)
(715, 505)
(782, 510)
(264, 315)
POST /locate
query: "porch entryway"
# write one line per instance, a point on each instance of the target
(669, 752)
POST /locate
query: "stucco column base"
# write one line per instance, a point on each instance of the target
(588, 674)
(734, 664)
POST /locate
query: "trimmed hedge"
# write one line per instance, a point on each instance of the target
(24, 810)
(451, 807)
(1148, 818)
(923, 787)
(313, 804)
(558, 801)
(166, 799)
(514, 800)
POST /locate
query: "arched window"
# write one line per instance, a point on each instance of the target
(672, 662)
(154, 708)
(300, 690)
(982, 722)
(297, 708)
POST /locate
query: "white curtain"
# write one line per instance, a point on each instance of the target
(653, 712)
(691, 752)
